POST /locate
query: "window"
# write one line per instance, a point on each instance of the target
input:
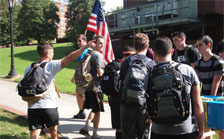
(62, 22)
(62, 8)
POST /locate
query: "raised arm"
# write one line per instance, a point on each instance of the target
(74, 55)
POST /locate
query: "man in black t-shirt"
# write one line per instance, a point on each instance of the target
(184, 53)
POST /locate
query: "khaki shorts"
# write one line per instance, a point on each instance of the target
(80, 90)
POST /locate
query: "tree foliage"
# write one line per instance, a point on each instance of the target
(78, 15)
(5, 38)
(38, 20)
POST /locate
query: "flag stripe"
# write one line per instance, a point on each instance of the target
(98, 25)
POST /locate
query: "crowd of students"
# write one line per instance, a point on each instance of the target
(130, 112)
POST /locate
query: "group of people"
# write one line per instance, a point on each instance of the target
(130, 113)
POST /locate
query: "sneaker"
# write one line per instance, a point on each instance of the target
(84, 132)
(80, 116)
(97, 137)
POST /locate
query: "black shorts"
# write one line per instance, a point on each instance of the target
(94, 101)
(39, 118)
(114, 103)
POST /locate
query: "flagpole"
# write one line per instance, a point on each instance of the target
(85, 32)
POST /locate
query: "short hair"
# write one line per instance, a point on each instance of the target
(82, 36)
(42, 48)
(162, 46)
(179, 34)
(97, 37)
(141, 41)
(206, 39)
(220, 47)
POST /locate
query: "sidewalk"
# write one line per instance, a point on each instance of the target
(67, 107)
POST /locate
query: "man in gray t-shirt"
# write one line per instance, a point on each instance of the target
(186, 129)
(93, 94)
(44, 112)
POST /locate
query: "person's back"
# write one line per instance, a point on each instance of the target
(186, 129)
(47, 106)
(133, 117)
(112, 77)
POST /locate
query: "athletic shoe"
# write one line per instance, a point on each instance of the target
(84, 132)
(80, 115)
(97, 137)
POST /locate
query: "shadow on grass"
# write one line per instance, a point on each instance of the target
(8, 136)
(17, 120)
(59, 52)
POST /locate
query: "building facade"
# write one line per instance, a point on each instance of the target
(162, 17)
(62, 9)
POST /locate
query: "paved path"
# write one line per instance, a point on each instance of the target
(67, 107)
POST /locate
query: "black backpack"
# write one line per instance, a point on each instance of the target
(110, 83)
(134, 93)
(33, 86)
(168, 99)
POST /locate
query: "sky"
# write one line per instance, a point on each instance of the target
(112, 4)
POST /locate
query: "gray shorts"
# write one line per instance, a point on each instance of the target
(80, 90)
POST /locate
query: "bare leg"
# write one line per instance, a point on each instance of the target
(34, 134)
(96, 122)
(54, 132)
(80, 100)
(88, 121)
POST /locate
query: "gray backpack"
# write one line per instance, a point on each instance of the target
(82, 73)
(134, 92)
(168, 99)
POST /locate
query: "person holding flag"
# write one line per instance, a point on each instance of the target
(102, 54)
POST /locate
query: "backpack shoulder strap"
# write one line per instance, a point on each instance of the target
(186, 50)
(177, 66)
(42, 65)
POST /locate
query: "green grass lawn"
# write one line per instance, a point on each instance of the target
(12, 126)
(24, 56)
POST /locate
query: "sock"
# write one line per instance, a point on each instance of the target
(95, 131)
(118, 135)
(87, 125)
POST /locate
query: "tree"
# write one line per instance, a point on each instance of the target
(78, 15)
(38, 20)
(5, 23)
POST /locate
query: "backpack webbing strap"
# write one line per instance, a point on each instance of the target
(184, 94)
(56, 89)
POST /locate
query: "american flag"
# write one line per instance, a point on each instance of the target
(98, 25)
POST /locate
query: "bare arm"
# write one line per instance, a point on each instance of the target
(215, 84)
(198, 109)
(74, 55)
